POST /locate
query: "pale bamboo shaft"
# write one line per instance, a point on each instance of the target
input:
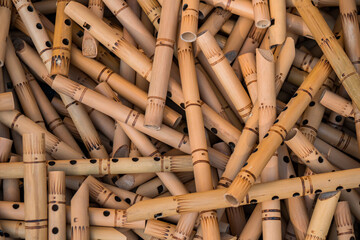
(195, 124)
(80, 214)
(337, 104)
(5, 13)
(7, 101)
(344, 222)
(189, 20)
(57, 207)
(12, 186)
(60, 61)
(277, 31)
(261, 13)
(248, 67)
(281, 189)
(277, 133)
(162, 64)
(323, 213)
(338, 59)
(226, 75)
(35, 191)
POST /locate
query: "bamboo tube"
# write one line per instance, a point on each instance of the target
(52, 119)
(277, 31)
(152, 10)
(161, 66)
(225, 74)
(189, 20)
(337, 104)
(213, 23)
(297, 76)
(69, 124)
(90, 44)
(204, 10)
(261, 13)
(214, 199)
(277, 132)
(220, 40)
(248, 68)
(35, 29)
(21, 85)
(322, 216)
(7, 101)
(5, 148)
(54, 146)
(343, 220)
(11, 186)
(57, 207)
(80, 214)
(60, 61)
(237, 38)
(130, 181)
(152, 188)
(100, 233)
(331, 48)
(5, 13)
(59, 107)
(35, 194)
(237, 221)
(159, 229)
(228, 26)
(252, 229)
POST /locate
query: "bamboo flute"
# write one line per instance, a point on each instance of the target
(337, 104)
(227, 77)
(189, 20)
(323, 213)
(343, 221)
(80, 214)
(159, 229)
(338, 59)
(277, 30)
(35, 194)
(261, 13)
(237, 38)
(152, 188)
(152, 10)
(5, 13)
(54, 146)
(214, 199)
(90, 44)
(197, 138)
(21, 85)
(248, 68)
(7, 101)
(162, 65)
(57, 207)
(277, 132)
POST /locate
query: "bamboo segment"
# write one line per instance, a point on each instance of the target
(21, 85)
(277, 30)
(225, 74)
(35, 194)
(80, 214)
(11, 187)
(252, 229)
(5, 13)
(337, 104)
(152, 10)
(343, 220)
(57, 207)
(130, 181)
(322, 216)
(60, 61)
(261, 13)
(189, 20)
(7, 101)
(162, 65)
(248, 68)
(214, 199)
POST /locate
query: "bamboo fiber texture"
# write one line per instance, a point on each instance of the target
(5, 13)
(343, 221)
(7, 101)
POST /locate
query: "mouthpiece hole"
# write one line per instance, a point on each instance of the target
(55, 230)
(135, 159)
(296, 194)
(67, 22)
(73, 162)
(106, 213)
(185, 7)
(338, 118)
(30, 8)
(214, 130)
(38, 26)
(48, 44)
(286, 159)
(318, 191)
(312, 103)
(65, 41)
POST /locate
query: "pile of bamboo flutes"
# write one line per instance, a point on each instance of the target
(169, 119)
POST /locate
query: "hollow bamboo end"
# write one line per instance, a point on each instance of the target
(188, 37)
(238, 189)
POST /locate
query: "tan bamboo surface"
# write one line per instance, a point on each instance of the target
(57, 207)
(278, 131)
(344, 222)
(54, 146)
(331, 48)
(60, 61)
(59, 107)
(80, 214)
(277, 31)
(348, 15)
(69, 124)
(132, 23)
(248, 68)
(130, 181)
(189, 20)
(225, 74)
(35, 29)
(152, 188)
(228, 26)
(296, 76)
(339, 139)
(49, 7)
(90, 44)
(51, 117)
(35, 191)
(204, 10)
(198, 145)
(7, 101)
(237, 38)
(11, 187)
(159, 229)
(5, 149)
(252, 229)
(21, 85)
(220, 40)
(337, 104)
(261, 13)
(152, 10)
(214, 199)
(5, 13)
(323, 213)
(162, 64)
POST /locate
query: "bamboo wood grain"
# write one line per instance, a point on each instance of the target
(5, 13)
(131, 181)
(11, 187)
(228, 26)
(252, 229)
(337, 104)
(343, 221)
(189, 20)
(159, 229)
(277, 31)
(152, 10)
(35, 192)
(248, 67)
(7, 101)
(261, 13)
(80, 214)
